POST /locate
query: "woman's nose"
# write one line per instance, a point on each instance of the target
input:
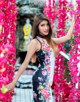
(46, 27)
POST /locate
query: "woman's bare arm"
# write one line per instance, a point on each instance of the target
(67, 36)
(31, 51)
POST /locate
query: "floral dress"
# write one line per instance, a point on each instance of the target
(43, 77)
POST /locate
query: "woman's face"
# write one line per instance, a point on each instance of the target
(44, 27)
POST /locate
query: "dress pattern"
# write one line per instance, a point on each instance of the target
(43, 77)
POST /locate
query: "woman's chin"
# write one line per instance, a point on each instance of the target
(45, 34)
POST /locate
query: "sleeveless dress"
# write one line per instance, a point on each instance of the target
(43, 77)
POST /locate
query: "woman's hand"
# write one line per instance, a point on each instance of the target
(10, 86)
(71, 17)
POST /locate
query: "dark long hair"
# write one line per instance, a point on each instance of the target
(35, 32)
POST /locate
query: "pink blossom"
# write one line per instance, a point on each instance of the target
(8, 14)
(44, 72)
(45, 93)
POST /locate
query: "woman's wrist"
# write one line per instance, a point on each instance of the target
(14, 81)
(73, 20)
(73, 23)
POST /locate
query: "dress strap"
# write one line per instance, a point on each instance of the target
(39, 40)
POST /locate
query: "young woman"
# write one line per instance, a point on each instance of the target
(43, 47)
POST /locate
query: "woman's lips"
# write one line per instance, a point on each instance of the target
(46, 31)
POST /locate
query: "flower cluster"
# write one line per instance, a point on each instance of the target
(74, 65)
(49, 10)
(8, 14)
(60, 83)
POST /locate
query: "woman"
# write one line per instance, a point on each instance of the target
(44, 48)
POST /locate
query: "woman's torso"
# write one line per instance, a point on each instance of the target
(46, 60)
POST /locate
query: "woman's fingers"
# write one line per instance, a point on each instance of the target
(10, 86)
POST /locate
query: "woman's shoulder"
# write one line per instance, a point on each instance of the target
(34, 42)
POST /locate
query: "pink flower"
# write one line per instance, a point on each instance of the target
(8, 14)
(45, 93)
(44, 72)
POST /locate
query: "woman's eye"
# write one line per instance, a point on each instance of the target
(42, 25)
